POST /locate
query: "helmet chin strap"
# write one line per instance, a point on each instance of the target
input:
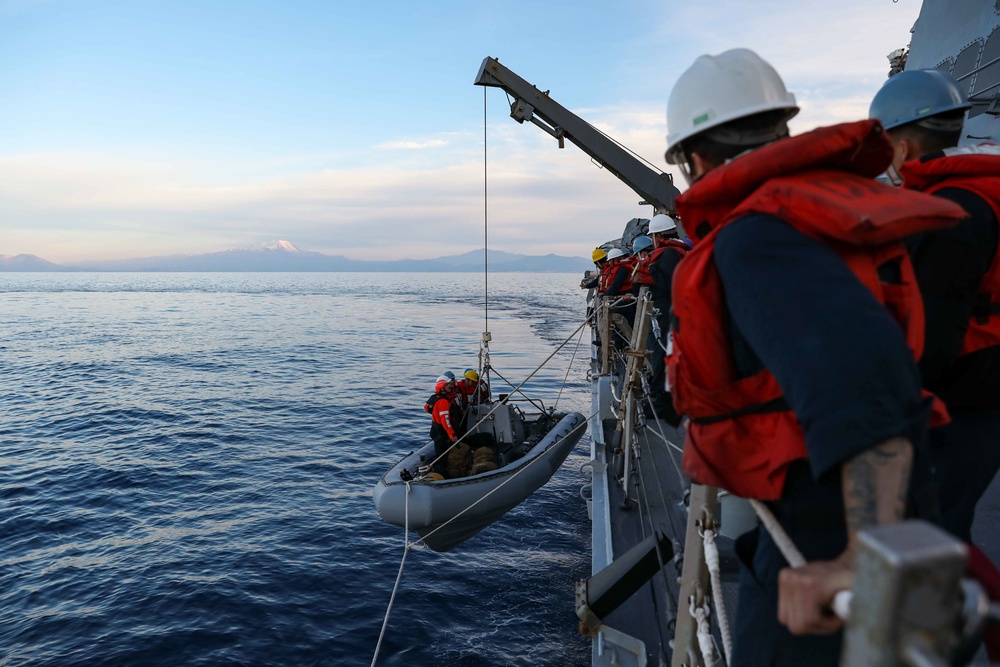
(893, 176)
(686, 172)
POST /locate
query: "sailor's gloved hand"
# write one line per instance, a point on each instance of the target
(805, 595)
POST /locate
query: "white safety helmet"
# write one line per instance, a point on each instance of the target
(661, 224)
(718, 89)
(615, 253)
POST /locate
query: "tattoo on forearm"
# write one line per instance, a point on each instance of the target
(875, 484)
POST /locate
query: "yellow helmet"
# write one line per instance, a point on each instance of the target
(471, 374)
(598, 255)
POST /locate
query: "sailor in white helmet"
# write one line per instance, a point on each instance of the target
(799, 381)
(657, 271)
(619, 283)
(958, 269)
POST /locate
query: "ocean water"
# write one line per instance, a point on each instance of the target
(187, 465)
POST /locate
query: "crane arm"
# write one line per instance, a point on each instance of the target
(533, 105)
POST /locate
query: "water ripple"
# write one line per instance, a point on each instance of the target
(188, 463)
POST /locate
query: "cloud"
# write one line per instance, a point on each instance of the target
(540, 199)
(412, 145)
(424, 196)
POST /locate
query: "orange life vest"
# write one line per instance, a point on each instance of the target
(612, 271)
(607, 271)
(443, 413)
(742, 435)
(641, 274)
(976, 169)
(627, 265)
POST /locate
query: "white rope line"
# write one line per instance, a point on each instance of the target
(568, 369)
(842, 600)
(501, 485)
(399, 575)
(657, 332)
(715, 576)
(778, 534)
(705, 642)
(622, 336)
(617, 302)
(516, 389)
(659, 434)
(615, 397)
(647, 516)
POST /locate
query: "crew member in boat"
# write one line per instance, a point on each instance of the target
(442, 406)
(469, 391)
(923, 112)
(656, 271)
(475, 391)
(794, 364)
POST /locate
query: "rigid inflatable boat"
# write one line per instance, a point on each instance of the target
(445, 513)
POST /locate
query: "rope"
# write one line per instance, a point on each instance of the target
(842, 600)
(705, 642)
(486, 226)
(778, 534)
(656, 469)
(399, 575)
(645, 512)
(616, 399)
(714, 573)
(568, 369)
(657, 332)
(501, 485)
(517, 388)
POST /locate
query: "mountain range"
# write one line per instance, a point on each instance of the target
(284, 256)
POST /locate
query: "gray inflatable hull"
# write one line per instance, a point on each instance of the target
(469, 504)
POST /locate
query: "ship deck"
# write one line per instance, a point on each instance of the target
(658, 491)
(657, 503)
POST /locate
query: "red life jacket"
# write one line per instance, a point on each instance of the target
(625, 265)
(432, 401)
(607, 272)
(442, 414)
(473, 391)
(742, 435)
(976, 169)
(641, 274)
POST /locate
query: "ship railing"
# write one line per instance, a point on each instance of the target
(614, 332)
(631, 386)
(910, 604)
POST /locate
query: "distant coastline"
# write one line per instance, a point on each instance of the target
(282, 256)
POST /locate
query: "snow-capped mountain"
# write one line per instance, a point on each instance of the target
(281, 255)
(280, 244)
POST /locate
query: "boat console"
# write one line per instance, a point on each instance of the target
(501, 421)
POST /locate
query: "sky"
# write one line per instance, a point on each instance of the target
(138, 129)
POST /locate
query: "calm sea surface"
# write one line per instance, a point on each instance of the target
(188, 459)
